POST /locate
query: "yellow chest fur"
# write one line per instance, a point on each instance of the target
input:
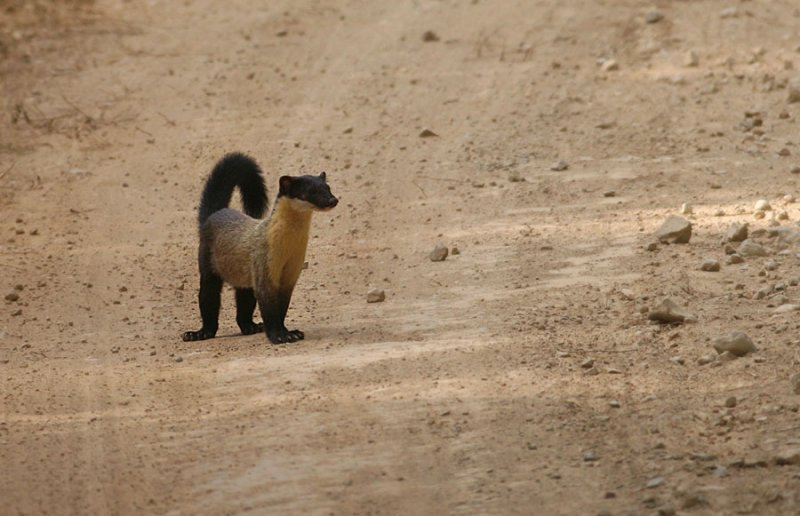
(287, 240)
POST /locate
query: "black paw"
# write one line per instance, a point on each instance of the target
(284, 336)
(201, 334)
(252, 328)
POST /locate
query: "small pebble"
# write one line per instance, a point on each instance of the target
(655, 482)
(737, 343)
(762, 205)
(705, 359)
(376, 295)
(439, 253)
(789, 456)
(653, 17)
(609, 65)
(429, 36)
(559, 166)
(736, 232)
(750, 248)
(730, 401)
(795, 381)
(12, 297)
(686, 209)
(710, 265)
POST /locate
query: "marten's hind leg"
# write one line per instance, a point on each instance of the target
(245, 306)
(210, 290)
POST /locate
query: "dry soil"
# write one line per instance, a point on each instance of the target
(519, 376)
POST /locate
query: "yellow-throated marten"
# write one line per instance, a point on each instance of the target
(262, 259)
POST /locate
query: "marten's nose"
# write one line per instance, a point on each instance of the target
(334, 202)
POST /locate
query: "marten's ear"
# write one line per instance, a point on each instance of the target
(285, 182)
(324, 176)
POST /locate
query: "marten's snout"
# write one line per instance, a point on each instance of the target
(333, 202)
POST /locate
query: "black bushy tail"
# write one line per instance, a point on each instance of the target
(234, 170)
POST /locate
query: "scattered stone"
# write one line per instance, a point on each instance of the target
(652, 246)
(729, 249)
(686, 209)
(668, 311)
(784, 152)
(794, 170)
(610, 193)
(427, 133)
(675, 230)
(794, 95)
(590, 456)
(677, 360)
(376, 295)
(759, 215)
(736, 232)
(783, 215)
(439, 253)
(609, 65)
(735, 259)
(771, 265)
(179, 359)
(737, 343)
(455, 251)
(710, 265)
(749, 248)
(730, 401)
(691, 59)
(653, 17)
(559, 166)
(515, 176)
(720, 471)
(789, 456)
(614, 404)
(762, 205)
(588, 363)
(655, 482)
(12, 297)
(764, 292)
(729, 12)
(705, 360)
(795, 381)
(16, 313)
(429, 36)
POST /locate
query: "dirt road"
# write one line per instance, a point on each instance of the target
(519, 376)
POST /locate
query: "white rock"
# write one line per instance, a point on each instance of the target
(762, 205)
(675, 230)
(609, 65)
(686, 209)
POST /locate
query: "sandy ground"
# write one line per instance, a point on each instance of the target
(467, 391)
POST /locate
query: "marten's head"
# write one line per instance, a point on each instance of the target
(307, 192)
